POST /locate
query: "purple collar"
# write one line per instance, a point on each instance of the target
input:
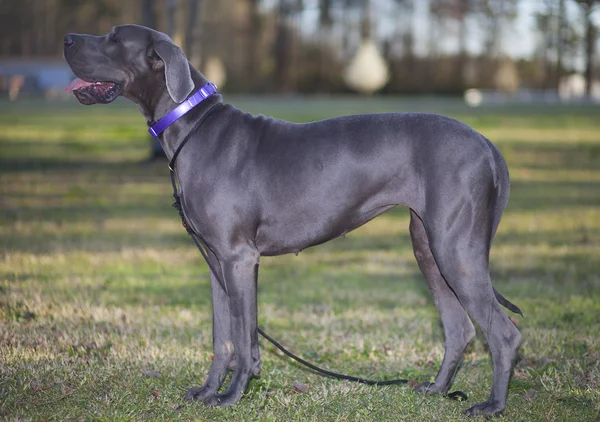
(202, 94)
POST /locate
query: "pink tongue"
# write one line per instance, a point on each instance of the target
(77, 84)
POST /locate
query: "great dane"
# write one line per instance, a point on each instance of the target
(254, 186)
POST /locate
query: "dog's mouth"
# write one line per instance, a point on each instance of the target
(89, 93)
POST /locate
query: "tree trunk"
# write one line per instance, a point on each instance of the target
(255, 53)
(148, 15)
(325, 23)
(461, 58)
(560, 42)
(170, 18)
(590, 44)
(366, 24)
(283, 49)
(192, 47)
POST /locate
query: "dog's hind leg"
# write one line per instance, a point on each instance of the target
(222, 344)
(459, 229)
(458, 329)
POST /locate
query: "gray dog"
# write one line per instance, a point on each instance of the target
(254, 186)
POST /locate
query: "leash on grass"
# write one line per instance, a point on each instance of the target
(203, 247)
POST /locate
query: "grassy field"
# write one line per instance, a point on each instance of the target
(105, 302)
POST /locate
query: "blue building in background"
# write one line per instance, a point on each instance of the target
(34, 77)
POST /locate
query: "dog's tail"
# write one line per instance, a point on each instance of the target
(502, 182)
(506, 303)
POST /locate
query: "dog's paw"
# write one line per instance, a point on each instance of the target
(486, 408)
(429, 388)
(222, 400)
(198, 393)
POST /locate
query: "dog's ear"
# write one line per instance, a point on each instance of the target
(177, 70)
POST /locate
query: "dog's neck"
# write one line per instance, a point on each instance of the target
(156, 103)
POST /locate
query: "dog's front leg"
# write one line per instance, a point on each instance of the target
(240, 279)
(222, 344)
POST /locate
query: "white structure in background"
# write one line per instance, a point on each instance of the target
(572, 87)
(473, 97)
(215, 72)
(367, 71)
(507, 76)
(571, 90)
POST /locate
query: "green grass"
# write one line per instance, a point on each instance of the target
(99, 283)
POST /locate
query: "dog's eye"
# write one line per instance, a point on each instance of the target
(113, 38)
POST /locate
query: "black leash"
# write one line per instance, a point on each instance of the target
(203, 248)
(325, 371)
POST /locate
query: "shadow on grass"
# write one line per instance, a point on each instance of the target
(100, 241)
(551, 155)
(525, 196)
(542, 196)
(188, 287)
(143, 171)
(153, 206)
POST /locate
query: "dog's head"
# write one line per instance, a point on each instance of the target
(131, 60)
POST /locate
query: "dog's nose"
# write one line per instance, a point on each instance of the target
(69, 40)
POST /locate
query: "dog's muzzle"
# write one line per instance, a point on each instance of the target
(94, 92)
(98, 92)
(89, 91)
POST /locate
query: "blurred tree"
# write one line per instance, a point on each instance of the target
(256, 30)
(405, 31)
(148, 13)
(172, 31)
(456, 11)
(325, 18)
(14, 16)
(263, 46)
(561, 42)
(558, 39)
(495, 16)
(193, 34)
(285, 44)
(32, 27)
(366, 23)
(322, 81)
(590, 36)
(399, 49)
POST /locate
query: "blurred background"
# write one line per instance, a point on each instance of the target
(105, 303)
(526, 50)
